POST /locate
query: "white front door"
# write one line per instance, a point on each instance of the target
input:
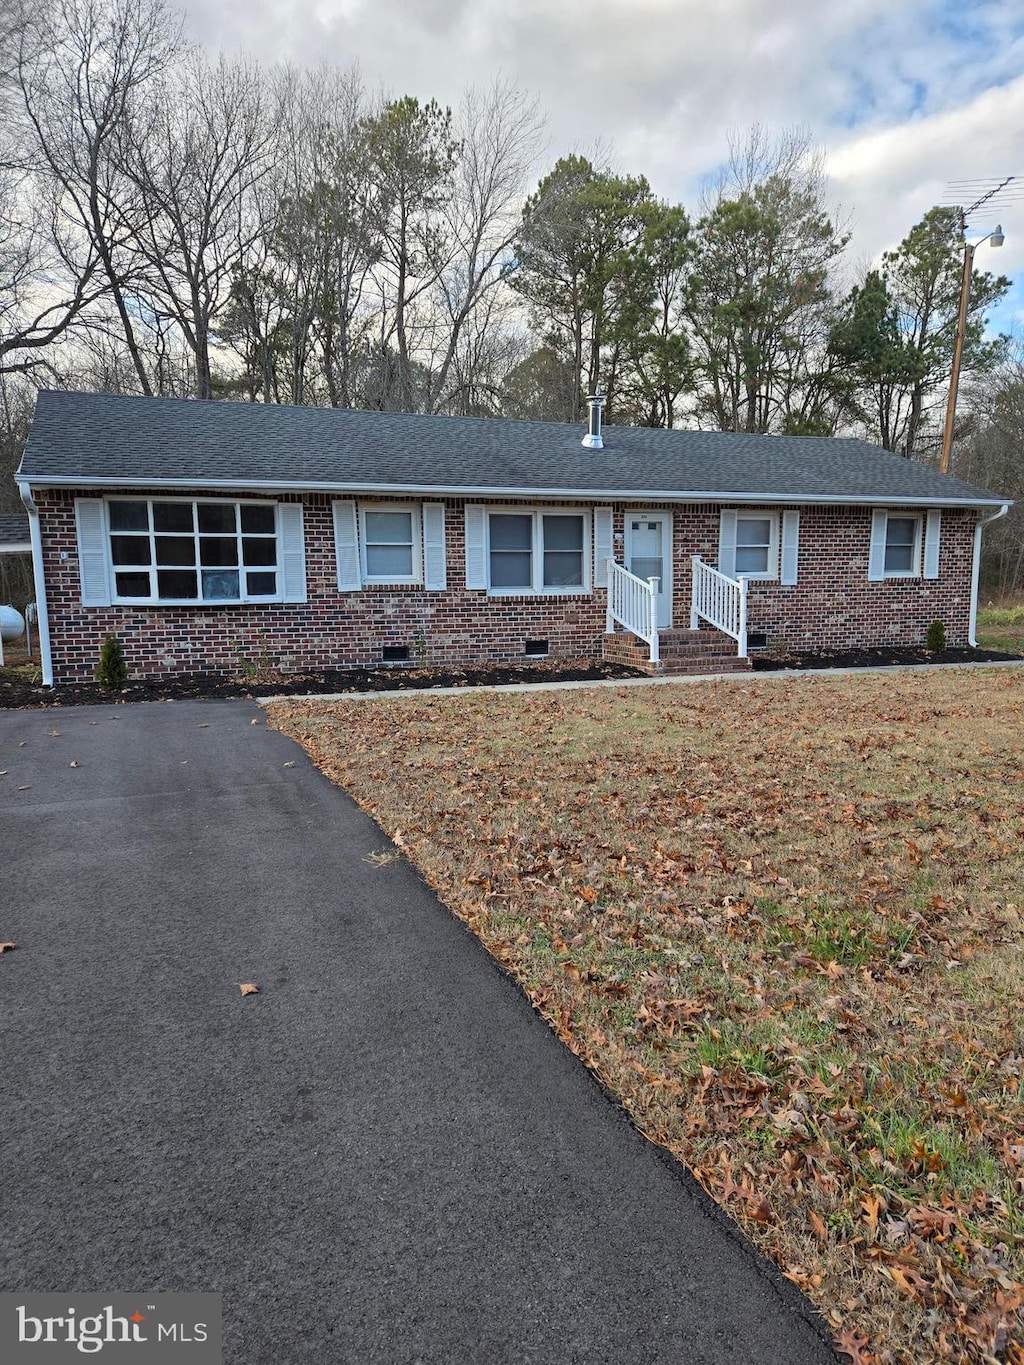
(649, 555)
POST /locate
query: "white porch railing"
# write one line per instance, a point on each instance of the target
(720, 600)
(633, 604)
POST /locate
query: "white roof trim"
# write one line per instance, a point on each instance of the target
(486, 491)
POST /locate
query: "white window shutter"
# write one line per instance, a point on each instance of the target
(92, 552)
(435, 569)
(932, 531)
(603, 547)
(476, 567)
(293, 551)
(727, 544)
(876, 560)
(346, 547)
(790, 546)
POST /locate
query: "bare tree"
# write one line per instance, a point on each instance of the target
(81, 68)
(499, 134)
(197, 155)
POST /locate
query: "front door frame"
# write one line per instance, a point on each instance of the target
(667, 520)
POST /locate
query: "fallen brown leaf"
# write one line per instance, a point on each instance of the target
(381, 859)
(249, 988)
(856, 1347)
(7, 947)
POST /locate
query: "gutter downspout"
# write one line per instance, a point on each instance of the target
(42, 612)
(972, 637)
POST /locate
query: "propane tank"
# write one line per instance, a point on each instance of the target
(12, 624)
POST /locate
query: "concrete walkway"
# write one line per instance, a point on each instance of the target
(385, 1155)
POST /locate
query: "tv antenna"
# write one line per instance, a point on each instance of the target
(1009, 190)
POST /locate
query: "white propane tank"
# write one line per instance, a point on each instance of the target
(12, 624)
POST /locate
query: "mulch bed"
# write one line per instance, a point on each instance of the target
(881, 658)
(17, 692)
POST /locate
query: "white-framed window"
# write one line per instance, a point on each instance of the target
(536, 550)
(904, 544)
(759, 544)
(390, 537)
(192, 551)
(390, 544)
(902, 555)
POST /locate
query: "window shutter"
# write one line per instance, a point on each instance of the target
(727, 545)
(476, 567)
(435, 569)
(346, 547)
(293, 551)
(932, 529)
(92, 552)
(790, 546)
(876, 560)
(603, 547)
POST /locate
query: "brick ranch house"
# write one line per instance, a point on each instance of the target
(208, 534)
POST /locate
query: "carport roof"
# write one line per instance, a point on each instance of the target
(108, 440)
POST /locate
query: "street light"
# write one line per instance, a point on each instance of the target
(996, 238)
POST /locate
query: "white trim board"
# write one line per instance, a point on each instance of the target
(475, 492)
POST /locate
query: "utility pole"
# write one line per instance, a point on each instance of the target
(996, 238)
(958, 348)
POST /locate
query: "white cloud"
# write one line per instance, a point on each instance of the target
(893, 175)
(904, 96)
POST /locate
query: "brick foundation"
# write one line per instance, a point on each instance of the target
(832, 606)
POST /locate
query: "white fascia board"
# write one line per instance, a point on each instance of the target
(645, 495)
(15, 547)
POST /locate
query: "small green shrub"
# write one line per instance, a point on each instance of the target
(936, 637)
(112, 670)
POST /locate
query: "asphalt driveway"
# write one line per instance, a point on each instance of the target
(385, 1155)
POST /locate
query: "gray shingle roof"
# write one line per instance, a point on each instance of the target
(13, 529)
(106, 439)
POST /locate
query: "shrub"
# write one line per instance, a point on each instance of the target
(936, 637)
(112, 671)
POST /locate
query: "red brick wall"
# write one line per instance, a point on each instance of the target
(833, 604)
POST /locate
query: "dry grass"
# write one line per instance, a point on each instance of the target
(782, 920)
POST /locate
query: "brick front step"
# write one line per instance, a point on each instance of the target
(682, 652)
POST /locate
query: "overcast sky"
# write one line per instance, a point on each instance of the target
(903, 95)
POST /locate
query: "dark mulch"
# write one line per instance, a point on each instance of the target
(881, 658)
(17, 692)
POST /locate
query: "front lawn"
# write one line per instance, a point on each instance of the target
(1001, 626)
(781, 918)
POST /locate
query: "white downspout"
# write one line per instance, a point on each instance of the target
(42, 613)
(972, 636)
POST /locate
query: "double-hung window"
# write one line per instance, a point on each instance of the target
(902, 546)
(189, 551)
(537, 552)
(756, 545)
(389, 545)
